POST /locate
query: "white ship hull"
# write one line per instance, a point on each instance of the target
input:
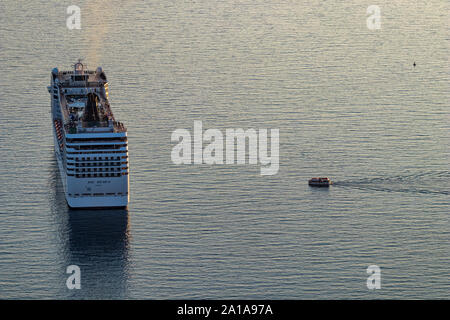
(91, 148)
(79, 186)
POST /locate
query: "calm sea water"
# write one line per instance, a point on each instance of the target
(348, 103)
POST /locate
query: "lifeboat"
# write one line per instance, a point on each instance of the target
(320, 182)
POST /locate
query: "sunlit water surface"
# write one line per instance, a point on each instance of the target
(348, 103)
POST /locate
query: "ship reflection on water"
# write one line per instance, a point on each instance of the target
(98, 243)
(95, 240)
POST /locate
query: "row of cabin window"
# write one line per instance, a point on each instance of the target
(96, 152)
(94, 158)
(95, 147)
(97, 164)
(99, 170)
(99, 194)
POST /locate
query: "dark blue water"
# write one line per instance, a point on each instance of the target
(348, 103)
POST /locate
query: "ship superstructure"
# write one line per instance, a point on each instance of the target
(91, 146)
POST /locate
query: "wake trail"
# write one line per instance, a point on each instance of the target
(419, 183)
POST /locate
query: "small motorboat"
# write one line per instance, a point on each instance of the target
(320, 182)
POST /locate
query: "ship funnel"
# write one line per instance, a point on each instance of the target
(91, 112)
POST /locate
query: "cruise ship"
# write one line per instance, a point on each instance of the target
(90, 145)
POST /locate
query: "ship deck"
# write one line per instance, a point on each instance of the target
(80, 114)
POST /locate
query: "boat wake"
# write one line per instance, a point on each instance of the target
(422, 183)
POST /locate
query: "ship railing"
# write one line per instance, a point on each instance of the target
(119, 126)
(92, 124)
(80, 84)
(81, 126)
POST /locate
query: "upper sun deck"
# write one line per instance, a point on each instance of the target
(83, 97)
(80, 77)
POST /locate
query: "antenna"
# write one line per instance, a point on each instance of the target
(79, 67)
